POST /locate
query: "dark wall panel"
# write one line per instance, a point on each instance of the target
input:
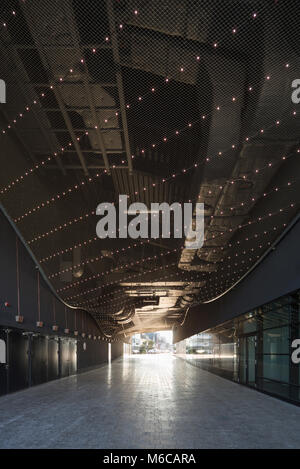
(39, 359)
(46, 304)
(28, 287)
(53, 365)
(43, 362)
(72, 357)
(116, 350)
(64, 357)
(17, 361)
(8, 282)
(91, 353)
(3, 369)
(68, 357)
(28, 283)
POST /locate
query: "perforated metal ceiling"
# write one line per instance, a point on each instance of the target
(161, 100)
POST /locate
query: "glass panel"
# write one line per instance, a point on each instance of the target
(251, 359)
(255, 347)
(281, 389)
(227, 357)
(276, 367)
(276, 340)
(249, 325)
(243, 363)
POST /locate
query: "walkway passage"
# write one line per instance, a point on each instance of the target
(154, 401)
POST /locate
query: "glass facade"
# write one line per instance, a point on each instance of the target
(254, 349)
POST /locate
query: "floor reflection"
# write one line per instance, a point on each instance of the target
(146, 401)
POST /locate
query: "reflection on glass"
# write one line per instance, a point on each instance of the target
(243, 360)
(276, 367)
(253, 349)
(251, 361)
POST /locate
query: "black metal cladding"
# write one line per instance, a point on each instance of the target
(33, 359)
(3, 368)
(52, 311)
(53, 358)
(18, 356)
(39, 360)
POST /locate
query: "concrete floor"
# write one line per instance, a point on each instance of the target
(146, 402)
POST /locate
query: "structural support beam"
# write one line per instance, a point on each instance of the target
(70, 129)
(94, 114)
(29, 96)
(86, 83)
(90, 166)
(114, 41)
(96, 152)
(81, 108)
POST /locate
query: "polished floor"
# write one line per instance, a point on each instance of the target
(146, 402)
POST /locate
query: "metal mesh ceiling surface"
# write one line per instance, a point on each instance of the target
(163, 101)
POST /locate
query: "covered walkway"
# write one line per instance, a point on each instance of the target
(146, 402)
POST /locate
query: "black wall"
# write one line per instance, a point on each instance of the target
(116, 350)
(53, 358)
(17, 361)
(39, 354)
(277, 275)
(39, 359)
(49, 305)
(33, 359)
(91, 354)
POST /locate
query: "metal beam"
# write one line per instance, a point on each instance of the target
(70, 128)
(78, 82)
(77, 129)
(22, 78)
(94, 114)
(86, 82)
(114, 41)
(90, 166)
(81, 108)
(63, 47)
(96, 152)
